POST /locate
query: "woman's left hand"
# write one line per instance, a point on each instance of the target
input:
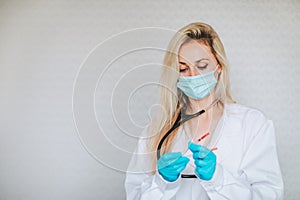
(205, 161)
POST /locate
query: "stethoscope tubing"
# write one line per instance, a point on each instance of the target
(176, 125)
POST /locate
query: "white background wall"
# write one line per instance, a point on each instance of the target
(43, 44)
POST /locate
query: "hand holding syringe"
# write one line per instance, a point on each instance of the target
(204, 159)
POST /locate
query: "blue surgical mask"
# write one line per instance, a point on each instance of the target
(197, 87)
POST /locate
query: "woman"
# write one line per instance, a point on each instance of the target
(226, 152)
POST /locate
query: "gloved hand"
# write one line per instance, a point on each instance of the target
(205, 161)
(171, 164)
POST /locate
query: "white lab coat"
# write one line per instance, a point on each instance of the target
(247, 163)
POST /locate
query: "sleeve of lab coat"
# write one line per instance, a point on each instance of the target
(259, 174)
(141, 184)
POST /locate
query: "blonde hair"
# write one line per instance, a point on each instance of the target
(173, 99)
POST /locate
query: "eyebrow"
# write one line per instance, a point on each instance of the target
(197, 61)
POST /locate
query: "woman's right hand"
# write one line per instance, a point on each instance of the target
(171, 164)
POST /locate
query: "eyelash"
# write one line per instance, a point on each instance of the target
(201, 68)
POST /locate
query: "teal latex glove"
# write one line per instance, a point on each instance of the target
(205, 161)
(171, 164)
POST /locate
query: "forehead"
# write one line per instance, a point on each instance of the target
(193, 51)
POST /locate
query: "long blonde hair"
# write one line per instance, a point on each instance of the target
(171, 98)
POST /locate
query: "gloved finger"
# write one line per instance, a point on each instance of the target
(168, 176)
(170, 171)
(211, 156)
(173, 171)
(200, 154)
(168, 159)
(203, 170)
(172, 178)
(203, 154)
(200, 163)
(171, 155)
(205, 173)
(184, 161)
(204, 163)
(180, 169)
(197, 148)
(200, 172)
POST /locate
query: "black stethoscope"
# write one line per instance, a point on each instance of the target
(179, 123)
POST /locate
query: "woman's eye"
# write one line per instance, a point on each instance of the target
(183, 70)
(202, 67)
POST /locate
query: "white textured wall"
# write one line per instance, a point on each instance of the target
(43, 44)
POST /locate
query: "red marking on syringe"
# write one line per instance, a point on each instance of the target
(204, 136)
